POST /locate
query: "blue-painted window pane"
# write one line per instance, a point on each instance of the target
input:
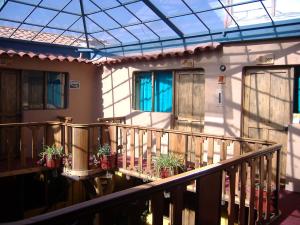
(143, 84)
(55, 90)
(163, 91)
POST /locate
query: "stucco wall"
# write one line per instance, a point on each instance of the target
(223, 120)
(82, 104)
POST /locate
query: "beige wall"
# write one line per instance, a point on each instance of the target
(82, 105)
(223, 120)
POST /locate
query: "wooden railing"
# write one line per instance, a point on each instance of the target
(20, 143)
(207, 199)
(138, 147)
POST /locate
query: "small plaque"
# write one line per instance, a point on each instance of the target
(187, 63)
(265, 59)
(74, 84)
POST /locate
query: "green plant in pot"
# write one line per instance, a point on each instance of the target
(168, 165)
(107, 159)
(52, 156)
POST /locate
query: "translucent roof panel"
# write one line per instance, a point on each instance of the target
(171, 8)
(189, 24)
(138, 24)
(122, 16)
(142, 11)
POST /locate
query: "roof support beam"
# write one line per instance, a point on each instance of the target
(164, 18)
(84, 24)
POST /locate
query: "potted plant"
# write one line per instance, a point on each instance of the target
(107, 159)
(168, 165)
(51, 156)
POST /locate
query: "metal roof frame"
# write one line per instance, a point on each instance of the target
(91, 40)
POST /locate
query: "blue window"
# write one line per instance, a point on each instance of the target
(43, 90)
(154, 91)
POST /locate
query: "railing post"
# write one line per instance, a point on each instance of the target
(80, 146)
(157, 208)
(208, 210)
(176, 205)
(276, 193)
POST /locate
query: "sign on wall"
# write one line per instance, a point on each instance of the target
(74, 84)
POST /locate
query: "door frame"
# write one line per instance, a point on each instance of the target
(175, 71)
(244, 71)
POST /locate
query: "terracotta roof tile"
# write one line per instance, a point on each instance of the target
(29, 35)
(51, 57)
(173, 53)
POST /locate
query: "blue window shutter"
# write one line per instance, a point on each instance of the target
(145, 91)
(163, 91)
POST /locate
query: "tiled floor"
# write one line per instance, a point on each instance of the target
(289, 205)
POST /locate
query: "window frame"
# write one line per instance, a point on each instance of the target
(45, 90)
(153, 78)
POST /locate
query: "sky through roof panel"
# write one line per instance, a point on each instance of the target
(123, 35)
(162, 29)
(105, 4)
(63, 20)
(122, 15)
(58, 5)
(142, 32)
(41, 16)
(189, 24)
(171, 8)
(15, 11)
(103, 20)
(143, 12)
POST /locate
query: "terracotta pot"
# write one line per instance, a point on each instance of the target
(264, 200)
(166, 172)
(53, 163)
(108, 162)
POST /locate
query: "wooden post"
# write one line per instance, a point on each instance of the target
(231, 204)
(176, 205)
(80, 155)
(157, 207)
(124, 139)
(149, 151)
(132, 148)
(158, 143)
(252, 164)
(198, 151)
(243, 177)
(210, 154)
(261, 189)
(208, 209)
(141, 134)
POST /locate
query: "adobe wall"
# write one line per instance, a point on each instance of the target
(81, 104)
(222, 120)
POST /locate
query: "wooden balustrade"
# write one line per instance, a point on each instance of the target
(21, 143)
(207, 199)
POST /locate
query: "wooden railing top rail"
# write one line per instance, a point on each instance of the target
(197, 134)
(30, 124)
(142, 191)
(122, 118)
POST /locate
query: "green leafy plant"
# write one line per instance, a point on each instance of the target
(169, 161)
(52, 152)
(103, 150)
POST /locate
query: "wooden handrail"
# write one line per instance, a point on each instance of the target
(197, 134)
(143, 191)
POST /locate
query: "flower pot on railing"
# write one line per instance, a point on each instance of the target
(51, 156)
(53, 163)
(108, 162)
(107, 158)
(168, 165)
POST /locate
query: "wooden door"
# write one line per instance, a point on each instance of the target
(10, 108)
(189, 101)
(267, 105)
